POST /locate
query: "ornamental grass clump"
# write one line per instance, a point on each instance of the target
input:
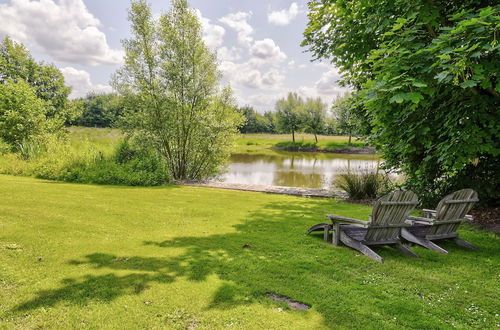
(366, 184)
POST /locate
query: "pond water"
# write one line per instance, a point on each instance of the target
(293, 169)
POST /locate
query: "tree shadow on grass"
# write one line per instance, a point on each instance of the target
(269, 252)
(103, 288)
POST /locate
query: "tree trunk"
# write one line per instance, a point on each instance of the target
(350, 135)
(316, 138)
(293, 136)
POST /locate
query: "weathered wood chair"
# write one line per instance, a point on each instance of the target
(383, 228)
(443, 222)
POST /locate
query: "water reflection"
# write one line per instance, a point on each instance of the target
(311, 170)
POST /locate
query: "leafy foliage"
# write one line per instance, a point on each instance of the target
(99, 110)
(427, 77)
(255, 122)
(346, 116)
(55, 158)
(170, 84)
(17, 64)
(314, 116)
(289, 114)
(22, 114)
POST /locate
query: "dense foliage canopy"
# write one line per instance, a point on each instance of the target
(289, 114)
(22, 114)
(427, 74)
(99, 110)
(16, 63)
(170, 82)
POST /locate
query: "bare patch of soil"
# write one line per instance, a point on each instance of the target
(291, 303)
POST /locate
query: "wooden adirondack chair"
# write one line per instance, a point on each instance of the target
(443, 222)
(384, 227)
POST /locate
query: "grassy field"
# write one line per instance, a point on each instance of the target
(106, 139)
(78, 256)
(103, 139)
(266, 141)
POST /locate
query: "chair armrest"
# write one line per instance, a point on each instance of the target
(412, 219)
(429, 213)
(337, 218)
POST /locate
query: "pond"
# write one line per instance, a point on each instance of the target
(294, 169)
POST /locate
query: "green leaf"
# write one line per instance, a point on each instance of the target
(419, 84)
(398, 98)
(468, 84)
(415, 97)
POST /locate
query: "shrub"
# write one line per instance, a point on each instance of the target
(369, 184)
(54, 158)
(5, 148)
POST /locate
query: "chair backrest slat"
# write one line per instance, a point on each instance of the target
(453, 207)
(390, 213)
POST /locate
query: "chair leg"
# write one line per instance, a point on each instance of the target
(360, 247)
(325, 234)
(422, 241)
(464, 243)
(406, 250)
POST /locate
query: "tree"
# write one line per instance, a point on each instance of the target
(16, 63)
(100, 110)
(427, 75)
(255, 122)
(344, 112)
(289, 113)
(170, 82)
(22, 113)
(314, 116)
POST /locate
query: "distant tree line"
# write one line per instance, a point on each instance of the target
(294, 114)
(99, 110)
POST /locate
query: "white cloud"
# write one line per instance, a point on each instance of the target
(328, 83)
(283, 17)
(238, 22)
(64, 30)
(249, 75)
(228, 54)
(81, 84)
(213, 34)
(267, 51)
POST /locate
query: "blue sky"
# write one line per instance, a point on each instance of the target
(258, 44)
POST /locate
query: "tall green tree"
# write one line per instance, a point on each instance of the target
(100, 110)
(16, 63)
(344, 113)
(314, 116)
(170, 82)
(22, 113)
(289, 113)
(427, 75)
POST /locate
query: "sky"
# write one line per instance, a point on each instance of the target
(257, 43)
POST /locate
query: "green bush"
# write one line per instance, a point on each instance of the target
(5, 148)
(369, 184)
(56, 159)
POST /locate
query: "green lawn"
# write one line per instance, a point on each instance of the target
(106, 139)
(266, 141)
(75, 256)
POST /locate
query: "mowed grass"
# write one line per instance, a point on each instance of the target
(266, 141)
(106, 139)
(84, 256)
